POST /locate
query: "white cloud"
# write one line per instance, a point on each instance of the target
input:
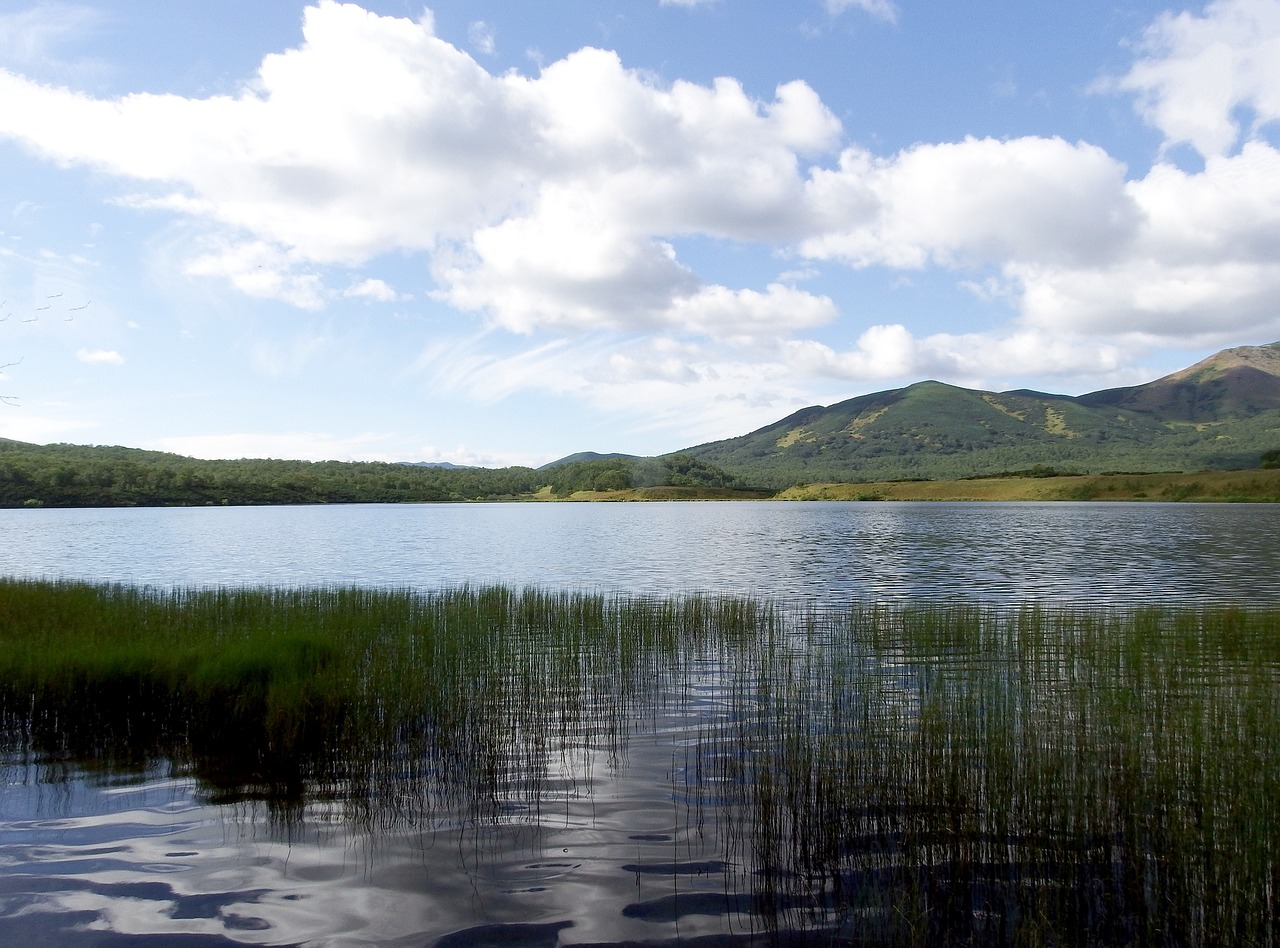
(545, 200)
(720, 312)
(1079, 249)
(1195, 304)
(1197, 74)
(555, 204)
(379, 291)
(892, 352)
(35, 428)
(373, 135)
(99, 357)
(1203, 268)
(258, 270)
(685, 3)
(970, 203)
(32, 37)
(566, 267)
(880, 9)
(480, 35)
(568, 271)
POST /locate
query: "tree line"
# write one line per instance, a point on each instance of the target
(64, 475)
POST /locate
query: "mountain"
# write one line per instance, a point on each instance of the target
(1221, 413)
(1232, 384)
(583, 456)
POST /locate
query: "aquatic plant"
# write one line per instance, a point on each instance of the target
(921, 774)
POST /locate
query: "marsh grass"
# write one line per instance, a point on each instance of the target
(927, 774)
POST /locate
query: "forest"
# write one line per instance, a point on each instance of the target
(66, 475)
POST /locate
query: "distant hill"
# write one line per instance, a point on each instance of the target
(1221, 413)
(583, 456)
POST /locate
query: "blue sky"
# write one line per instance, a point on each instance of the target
(499, 233)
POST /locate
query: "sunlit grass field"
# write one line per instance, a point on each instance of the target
(921, 774)
(1248, 486)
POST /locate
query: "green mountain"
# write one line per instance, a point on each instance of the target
(586, 456)
(1219, 414)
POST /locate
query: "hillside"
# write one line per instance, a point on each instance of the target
(1221, 413)
(67, 475)
(1233, 384)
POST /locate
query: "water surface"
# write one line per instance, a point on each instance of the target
(993, 552)
(608, 847)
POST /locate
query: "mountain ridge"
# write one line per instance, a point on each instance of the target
(1221, 412)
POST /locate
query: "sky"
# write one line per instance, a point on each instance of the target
(499, 233)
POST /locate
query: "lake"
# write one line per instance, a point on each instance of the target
(828, 551)
(656, 819)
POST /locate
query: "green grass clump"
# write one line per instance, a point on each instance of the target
(919, 774)
(947, 774)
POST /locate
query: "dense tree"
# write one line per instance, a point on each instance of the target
(63, 475)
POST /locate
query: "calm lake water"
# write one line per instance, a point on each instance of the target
(609, 847)
(997, 553)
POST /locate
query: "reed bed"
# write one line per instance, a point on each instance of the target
(925, 774)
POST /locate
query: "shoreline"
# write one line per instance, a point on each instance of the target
(1245, 486)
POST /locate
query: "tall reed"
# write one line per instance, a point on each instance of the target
(920, 774)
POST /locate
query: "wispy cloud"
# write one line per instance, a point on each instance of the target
(480, 35)
(99, 357)
(36, 36)
(884, 10)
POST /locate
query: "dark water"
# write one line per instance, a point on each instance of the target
(609, 848)
(596, 854)
(1000, 553)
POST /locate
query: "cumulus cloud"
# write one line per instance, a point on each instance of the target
(1204, 267)
(1078, 246)
(372, 135)
(555, 205)
(892, 352)
(970, 203)
(543, 199)
(1200, 77)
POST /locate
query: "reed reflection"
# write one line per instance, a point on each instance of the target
(871, 774)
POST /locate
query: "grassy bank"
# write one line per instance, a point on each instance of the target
(671, 492)
(1251, 486)
(905, 775)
